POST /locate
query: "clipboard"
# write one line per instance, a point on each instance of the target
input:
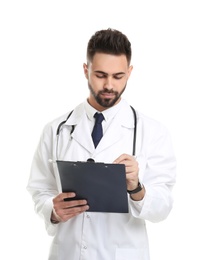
(102, 185)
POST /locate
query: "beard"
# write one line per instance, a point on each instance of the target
(106, 102)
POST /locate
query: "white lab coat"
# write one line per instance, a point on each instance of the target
(105, 236)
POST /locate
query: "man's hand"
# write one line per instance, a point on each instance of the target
(132, 170)
(132, 174)
(64, 210)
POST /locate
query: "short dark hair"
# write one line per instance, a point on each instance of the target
(109, 41)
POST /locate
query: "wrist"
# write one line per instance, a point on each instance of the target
(137, 189)
(138, 196)
(54, 219)
(138, 193)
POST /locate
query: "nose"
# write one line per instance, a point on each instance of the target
(108, 83)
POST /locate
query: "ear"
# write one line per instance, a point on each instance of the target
(130, 70)
(85, 69)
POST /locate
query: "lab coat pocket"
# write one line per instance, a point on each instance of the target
(128, 253)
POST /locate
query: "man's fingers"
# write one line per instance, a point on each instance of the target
(67, 195)
(71, 210)
(122, 158)
(64, 196)
(74, 203)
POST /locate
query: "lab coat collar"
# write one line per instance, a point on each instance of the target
(123, 118)
(122, 108)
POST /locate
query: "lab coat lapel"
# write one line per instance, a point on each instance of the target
(115, 131)
(82, 134)
(112, 135)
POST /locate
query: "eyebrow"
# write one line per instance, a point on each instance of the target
(114, 74)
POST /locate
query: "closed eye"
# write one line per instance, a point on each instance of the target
(119, 76)
(101, 76)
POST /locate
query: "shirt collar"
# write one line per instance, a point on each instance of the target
(108, 113)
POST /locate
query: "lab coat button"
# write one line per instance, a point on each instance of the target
(85, 247)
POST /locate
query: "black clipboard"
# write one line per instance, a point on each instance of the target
(102, 185)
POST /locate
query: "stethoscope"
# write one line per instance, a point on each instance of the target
(73, 127)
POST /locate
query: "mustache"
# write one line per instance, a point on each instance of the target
(107, 91)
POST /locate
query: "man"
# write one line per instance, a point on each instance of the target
(150, 173)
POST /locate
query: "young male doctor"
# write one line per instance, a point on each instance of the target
(150, 175)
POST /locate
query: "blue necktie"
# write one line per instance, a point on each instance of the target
(97, 132)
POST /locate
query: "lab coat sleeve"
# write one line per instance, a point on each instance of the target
(158, 178)
(42, 183)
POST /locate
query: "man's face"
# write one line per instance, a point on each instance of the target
(107, 78)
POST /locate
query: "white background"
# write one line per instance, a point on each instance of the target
(42, 49)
